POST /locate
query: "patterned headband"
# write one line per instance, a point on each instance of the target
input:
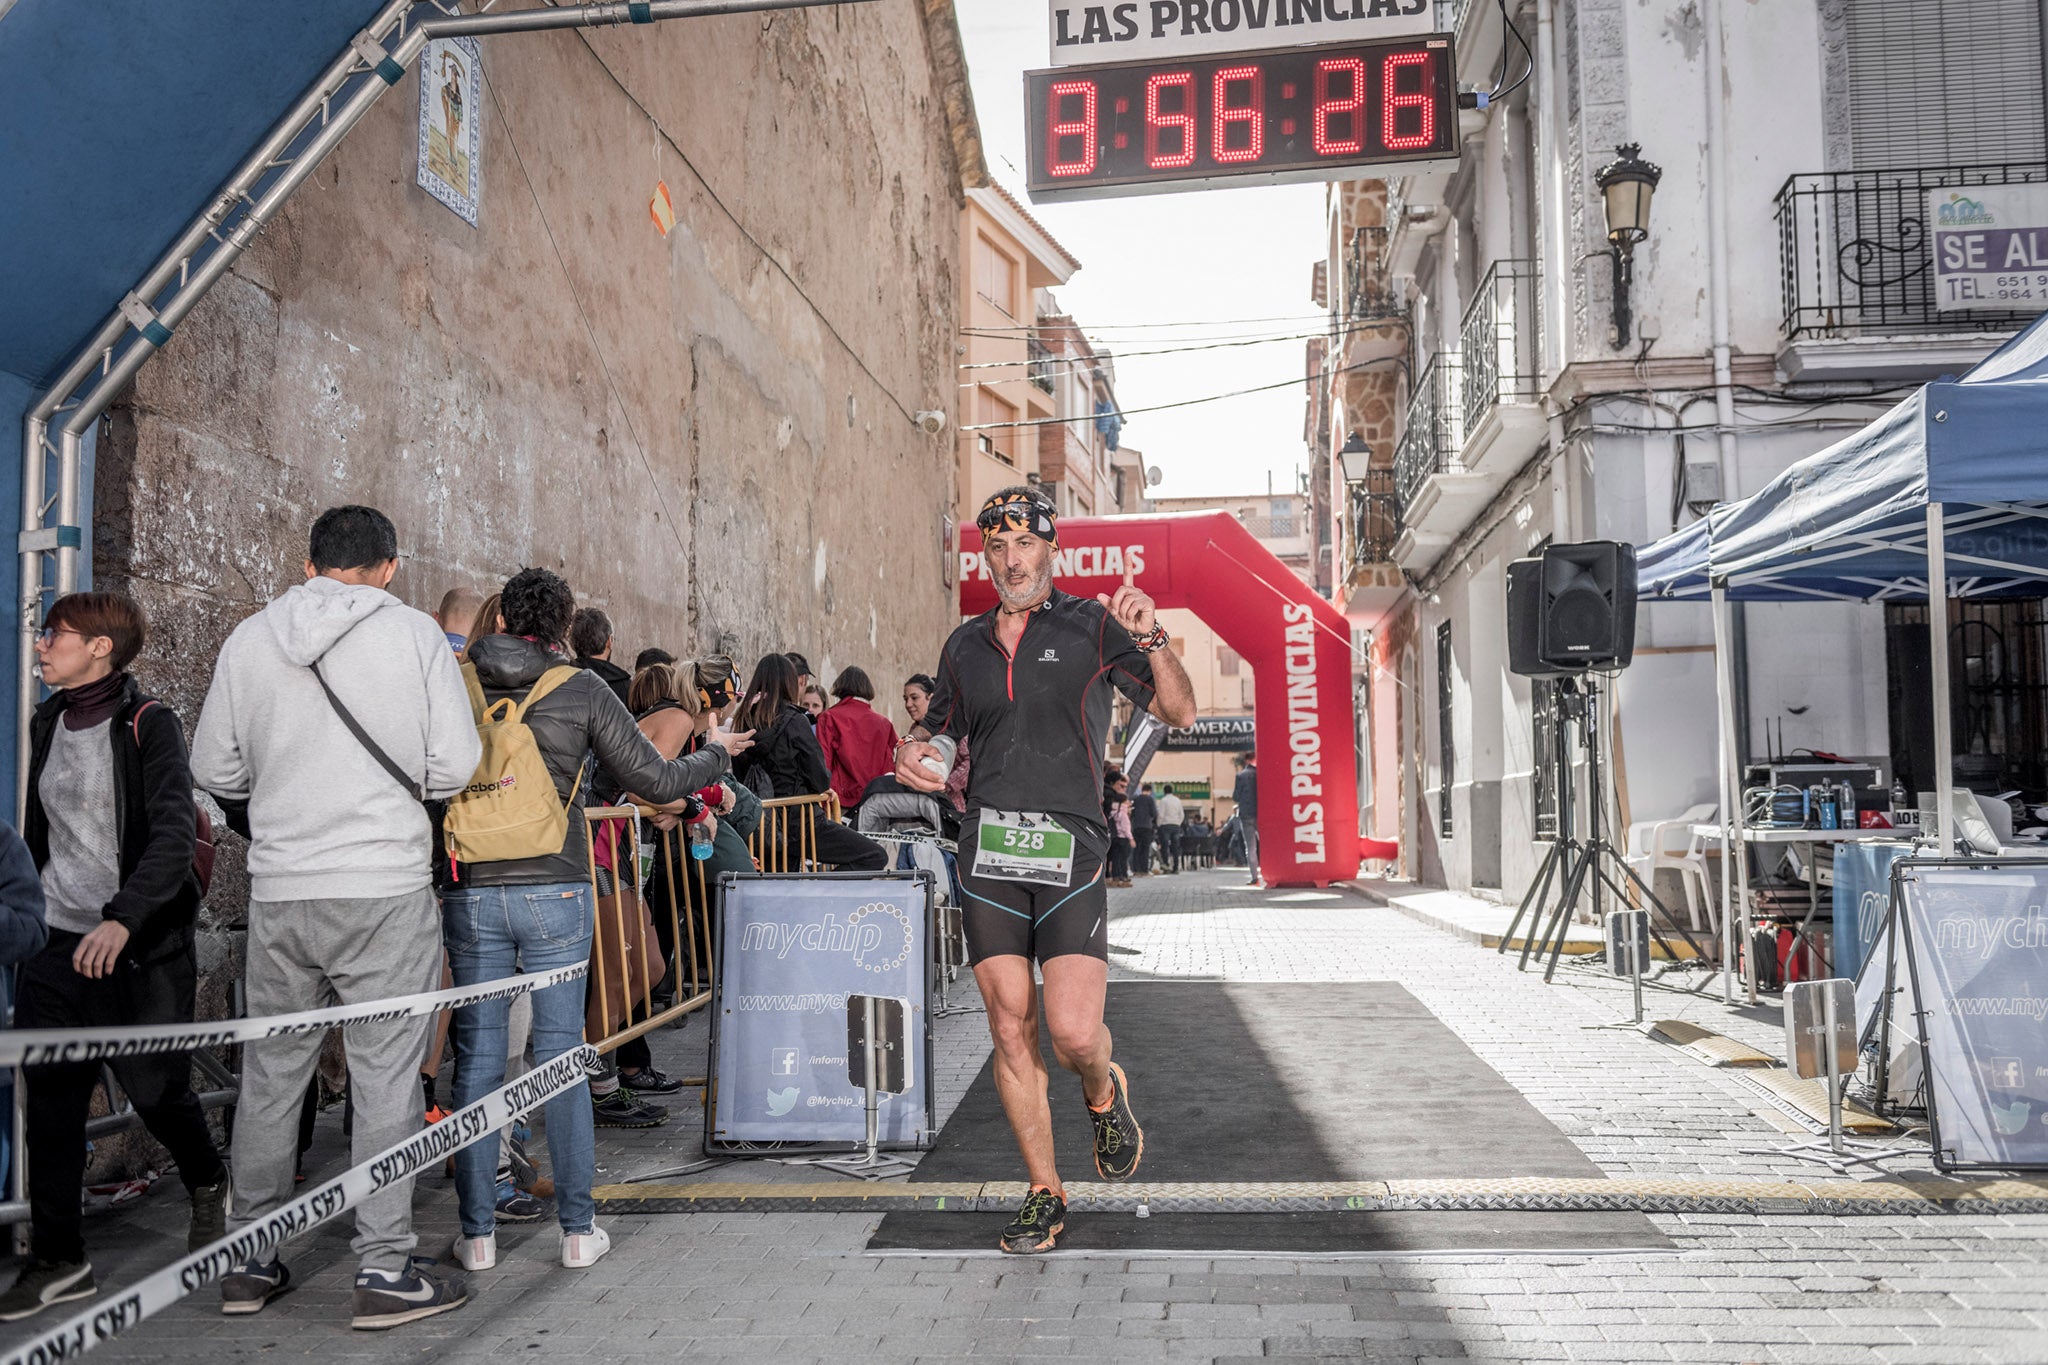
(1018, 512)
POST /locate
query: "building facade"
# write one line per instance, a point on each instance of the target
(1554, 388)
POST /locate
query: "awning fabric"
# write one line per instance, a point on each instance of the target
(1850, 522)
(118, 122)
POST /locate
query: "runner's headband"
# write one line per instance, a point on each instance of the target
(1018, 512)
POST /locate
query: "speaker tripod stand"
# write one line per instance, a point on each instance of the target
(1574, 865)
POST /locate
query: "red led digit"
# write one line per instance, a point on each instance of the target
(1351, 106)
(1157, 122)
(1251, 112)
(1396, 101)
(1058, 129)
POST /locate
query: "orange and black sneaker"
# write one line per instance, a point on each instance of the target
(1119, 1141)
(1037, 1225)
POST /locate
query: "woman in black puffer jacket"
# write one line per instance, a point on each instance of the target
(786, 761)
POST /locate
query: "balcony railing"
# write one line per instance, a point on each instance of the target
(1854, 251)
(1375, 519)
(1368, 292)
(1498, 339)
(1038, 363)
(1436, 429)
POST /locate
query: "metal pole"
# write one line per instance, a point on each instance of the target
(603, 15)
(1730, 787)
(874, 1062)
(1937, 638)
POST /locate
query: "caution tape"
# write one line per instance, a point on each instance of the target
(42, 1047)
(159, 1290)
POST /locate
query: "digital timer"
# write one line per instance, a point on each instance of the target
(1333, 112)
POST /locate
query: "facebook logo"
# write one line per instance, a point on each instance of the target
(783, 1062)
(2008, 1073)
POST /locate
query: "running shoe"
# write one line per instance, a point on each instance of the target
(42, 1283)
(255, 1283)
(623, 1109)
(384, 1299)
(1037, 1225)
(581, 1250)
(1119, 1141)
(517, 1206)
(475, 1253)
(649, 1080)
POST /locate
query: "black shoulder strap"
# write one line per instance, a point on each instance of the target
(398, 774)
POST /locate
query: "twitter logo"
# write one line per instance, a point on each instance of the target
(780, 1102)
(2010, 1119)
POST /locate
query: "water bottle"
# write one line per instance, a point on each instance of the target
(1847, 810)
(941, 766)
(700, 840)
(1898, 797)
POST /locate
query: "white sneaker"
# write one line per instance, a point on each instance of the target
(581, 1250)
(476, 1253)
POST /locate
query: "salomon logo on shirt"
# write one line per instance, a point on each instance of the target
(1048, 657)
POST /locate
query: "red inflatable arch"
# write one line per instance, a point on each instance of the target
(1298, 645)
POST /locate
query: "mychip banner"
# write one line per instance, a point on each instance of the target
(1977, 947)
(792, 949)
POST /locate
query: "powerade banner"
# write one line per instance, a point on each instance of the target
(1977, 945)
(792, 949)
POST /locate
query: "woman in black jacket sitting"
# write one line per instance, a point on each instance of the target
(111, 825)
(786, 761)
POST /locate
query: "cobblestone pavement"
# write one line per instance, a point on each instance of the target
(788, 1287)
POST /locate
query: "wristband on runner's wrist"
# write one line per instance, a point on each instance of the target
(1156, 640)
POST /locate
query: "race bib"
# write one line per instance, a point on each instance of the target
(1024, 846)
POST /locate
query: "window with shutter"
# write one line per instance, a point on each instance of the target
(1935, 84)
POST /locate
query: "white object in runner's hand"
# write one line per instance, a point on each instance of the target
(941, 763)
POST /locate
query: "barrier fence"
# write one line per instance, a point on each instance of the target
(624, 976)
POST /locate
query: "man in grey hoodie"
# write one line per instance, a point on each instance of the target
(341, 908)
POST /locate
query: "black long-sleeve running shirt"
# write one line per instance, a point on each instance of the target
(1037, 723)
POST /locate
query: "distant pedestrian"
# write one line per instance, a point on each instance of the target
(1119, 812)
(112, 828)
(1144, 826)
(787, 761)
(338, 700)
(918, 691)
(1245, 792)
(813, 698)
(1172, 818)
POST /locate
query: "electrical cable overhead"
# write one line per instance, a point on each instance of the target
(1528, 58)
(1135, 326)
(1189, 402)
(1053, 364)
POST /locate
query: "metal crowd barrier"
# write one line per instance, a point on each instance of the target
(785, 841)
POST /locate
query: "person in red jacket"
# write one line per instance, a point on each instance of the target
(859, 743)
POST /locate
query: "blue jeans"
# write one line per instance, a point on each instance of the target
(543, 927)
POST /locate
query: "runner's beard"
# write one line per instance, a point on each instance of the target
(1034, 588)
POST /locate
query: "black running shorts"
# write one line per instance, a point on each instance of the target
(1005, 918)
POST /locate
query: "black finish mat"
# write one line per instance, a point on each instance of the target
(1282, 1082)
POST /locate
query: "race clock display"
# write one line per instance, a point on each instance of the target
(1257, 118)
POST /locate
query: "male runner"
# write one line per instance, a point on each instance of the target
(1027, 685)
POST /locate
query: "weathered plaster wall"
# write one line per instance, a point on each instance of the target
(710, 435)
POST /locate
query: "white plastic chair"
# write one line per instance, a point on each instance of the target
(1655, 844)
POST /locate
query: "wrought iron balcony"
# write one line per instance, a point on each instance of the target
(1038, 363)
(1854, 253)
(1375, 519)
(1499, 338)
(1435, 429)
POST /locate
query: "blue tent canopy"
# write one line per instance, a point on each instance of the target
(118, 122)
(1850, 522)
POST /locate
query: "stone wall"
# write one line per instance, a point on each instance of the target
(710, 435)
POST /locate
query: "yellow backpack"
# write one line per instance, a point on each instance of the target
(510, 809)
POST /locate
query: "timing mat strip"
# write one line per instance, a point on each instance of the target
(1532, 1194)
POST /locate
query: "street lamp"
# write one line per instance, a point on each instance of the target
(1627, 184)
(1357, 458)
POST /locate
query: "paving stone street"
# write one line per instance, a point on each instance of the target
(1942, 1289)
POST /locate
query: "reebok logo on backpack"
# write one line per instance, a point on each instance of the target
(510, 809)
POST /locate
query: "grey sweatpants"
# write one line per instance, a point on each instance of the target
(306, 955)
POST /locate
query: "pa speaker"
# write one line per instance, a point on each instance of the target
(1588, 618)
(1525, 621)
